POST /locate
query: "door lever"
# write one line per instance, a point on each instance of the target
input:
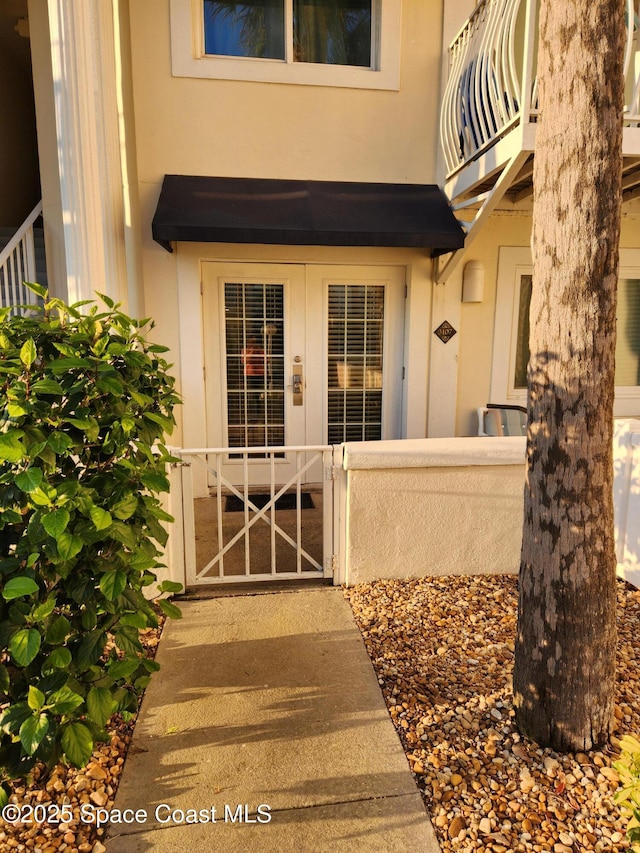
(297, 385)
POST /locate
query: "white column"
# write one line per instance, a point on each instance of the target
(76, 78)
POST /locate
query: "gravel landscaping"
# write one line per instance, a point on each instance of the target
(442, 649)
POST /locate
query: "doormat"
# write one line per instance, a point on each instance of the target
(236, 504)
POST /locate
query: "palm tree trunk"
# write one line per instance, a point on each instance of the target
(566, 637)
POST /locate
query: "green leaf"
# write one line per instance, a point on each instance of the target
(40, 497)
(170, 586)
(112, 583)
(77, 744)
(142, 399)
(59, 658)
(127, 424)
(25, 645)
(68, 545)
(59, 442)
(17, 587)
(162, 420)
(63, 365)
(64, 701)
(124, 534)
(91, 648)
(99, 704)
(10, 516)
(157, 531)
(39, 289)
(100, 517)
(28, 352)
(123, 668)
(110, 385)
(48, 386)
(14, 716)
(35, 698)
(155, 482)
(55, 522)
(33, 731)
(29, 480)
(89, 426)
(5, 681)
(16, 410)
(125, 507)
(11, 448)
(58, 631)
(89, 618)
(134, 620)
(41, 611)
(170, 609)
(128, 639)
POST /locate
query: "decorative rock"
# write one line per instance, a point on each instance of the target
(456, 826)
(485, 826)
(96, 772)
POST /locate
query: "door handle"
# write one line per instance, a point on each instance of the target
(297, 386)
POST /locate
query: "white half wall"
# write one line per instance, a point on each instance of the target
(437, 506)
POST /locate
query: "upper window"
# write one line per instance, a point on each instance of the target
(330, 32)
(511, 349)
(348, 43)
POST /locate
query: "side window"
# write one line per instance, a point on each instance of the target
(343, 43)
(511, 351)
(628, 333)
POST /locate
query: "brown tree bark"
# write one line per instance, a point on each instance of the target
(566, 637)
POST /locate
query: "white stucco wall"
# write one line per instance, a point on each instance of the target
(433, 507)
(454, 506)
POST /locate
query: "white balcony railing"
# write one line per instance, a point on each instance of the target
(492, 86)
(18, 265)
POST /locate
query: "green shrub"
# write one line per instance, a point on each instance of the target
(84, 407)
(628, 767)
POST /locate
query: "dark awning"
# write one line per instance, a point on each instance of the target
(304, 213)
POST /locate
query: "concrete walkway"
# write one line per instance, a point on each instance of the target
(267, 708)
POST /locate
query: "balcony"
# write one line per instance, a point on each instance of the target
(489, 110)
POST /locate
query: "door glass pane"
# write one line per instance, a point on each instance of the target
(356, 322)
(254, 28)
(254, 334)
(332, 32)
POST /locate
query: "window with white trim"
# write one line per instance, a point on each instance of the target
(344, 43)
(511, 332)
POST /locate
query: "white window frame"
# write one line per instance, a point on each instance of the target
(188, 58)
(514, 262)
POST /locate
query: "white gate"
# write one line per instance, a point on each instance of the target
(247, 532)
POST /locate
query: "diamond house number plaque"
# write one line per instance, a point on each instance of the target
(445, 332)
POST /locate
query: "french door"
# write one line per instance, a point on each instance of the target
(299, 355)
